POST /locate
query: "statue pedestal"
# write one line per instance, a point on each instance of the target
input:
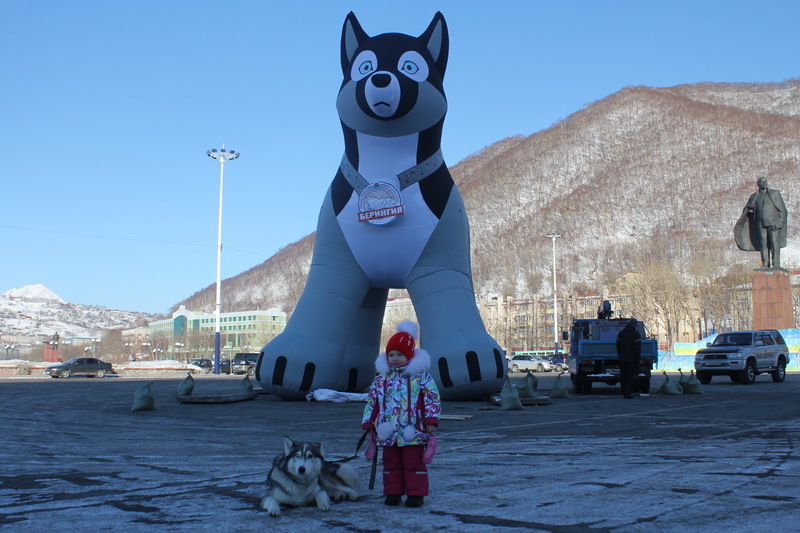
(50, 355)
(772, 299)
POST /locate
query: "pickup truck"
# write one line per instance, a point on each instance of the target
(743, 355)
(593, 352)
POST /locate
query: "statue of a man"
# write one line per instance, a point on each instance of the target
(762, 226)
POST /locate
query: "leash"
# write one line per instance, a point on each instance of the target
(358, 447)
(374, 466)
(355, 455)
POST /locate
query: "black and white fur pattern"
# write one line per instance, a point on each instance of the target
(301, 476)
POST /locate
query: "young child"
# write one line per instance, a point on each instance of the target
(403, 407)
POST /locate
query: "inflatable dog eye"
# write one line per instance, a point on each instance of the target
(392, 218)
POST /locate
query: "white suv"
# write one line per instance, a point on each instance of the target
(534, 363)
(743, 355)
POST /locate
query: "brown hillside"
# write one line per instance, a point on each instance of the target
(644, 169)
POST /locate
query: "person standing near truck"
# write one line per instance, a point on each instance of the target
(629, 352)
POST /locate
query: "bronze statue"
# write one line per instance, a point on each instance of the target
(762, 226)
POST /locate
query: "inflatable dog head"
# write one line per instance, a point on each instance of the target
(392, 82)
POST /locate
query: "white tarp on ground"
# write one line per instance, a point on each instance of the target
(328, 395)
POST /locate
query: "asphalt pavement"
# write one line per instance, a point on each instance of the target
(74, 457)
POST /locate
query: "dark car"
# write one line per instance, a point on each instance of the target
(80, 366)
(245, 363)
(558, 361)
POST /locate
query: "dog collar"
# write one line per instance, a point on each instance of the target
(407, 177)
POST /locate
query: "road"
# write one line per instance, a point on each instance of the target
(74, 457)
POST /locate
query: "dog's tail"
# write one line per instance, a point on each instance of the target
(348, 475)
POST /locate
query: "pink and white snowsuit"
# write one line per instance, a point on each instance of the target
(400, 403)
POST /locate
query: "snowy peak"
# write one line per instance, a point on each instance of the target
(35, 312)
(34, 293)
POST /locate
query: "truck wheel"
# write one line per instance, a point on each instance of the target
(779, 374)
(703, 377)
(577, 384)
(748, 375)
(581, 386)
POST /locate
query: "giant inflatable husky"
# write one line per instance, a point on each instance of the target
(392, 218)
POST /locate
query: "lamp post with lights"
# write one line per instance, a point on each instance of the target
(145, 349)
(554, 236)
(222, 156)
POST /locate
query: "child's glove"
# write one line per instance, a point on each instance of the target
(430, 450)
(372, 446)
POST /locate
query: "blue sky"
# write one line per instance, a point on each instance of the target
(108, 109)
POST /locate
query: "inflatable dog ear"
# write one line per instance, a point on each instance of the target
(435, 38)
(392, 218)
(437, 42)
(352, 37)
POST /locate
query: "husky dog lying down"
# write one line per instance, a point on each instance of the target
(302, 476)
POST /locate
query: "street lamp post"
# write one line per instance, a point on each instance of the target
(178, 348)
(145, 349)
(222, 156)
(554, 236)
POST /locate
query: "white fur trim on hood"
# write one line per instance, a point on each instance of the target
(420, 362)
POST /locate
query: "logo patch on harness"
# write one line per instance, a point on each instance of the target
(380, 203)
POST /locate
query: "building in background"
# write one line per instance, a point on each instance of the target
(190, 334)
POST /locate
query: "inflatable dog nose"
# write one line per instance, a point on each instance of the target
(381, 80)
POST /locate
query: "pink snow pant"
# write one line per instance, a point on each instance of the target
(404, 471)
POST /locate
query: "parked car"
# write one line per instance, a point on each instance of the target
(743, 355)
(559, 363)
(80, 366)
(534, 363)
(208, 365)
(245, 363)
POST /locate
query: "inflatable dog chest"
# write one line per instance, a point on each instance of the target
(392, 218)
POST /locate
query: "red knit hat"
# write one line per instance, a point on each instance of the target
(404, 341)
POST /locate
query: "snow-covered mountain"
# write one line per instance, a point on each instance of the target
(34, 311)
(34, 293)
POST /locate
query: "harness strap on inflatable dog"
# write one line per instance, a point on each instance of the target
(407, 177)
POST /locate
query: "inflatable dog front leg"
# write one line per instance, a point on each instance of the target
(467, 363)
(330, 340)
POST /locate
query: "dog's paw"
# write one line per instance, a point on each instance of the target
(323, 501)
(271, 506)
(351, 495)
